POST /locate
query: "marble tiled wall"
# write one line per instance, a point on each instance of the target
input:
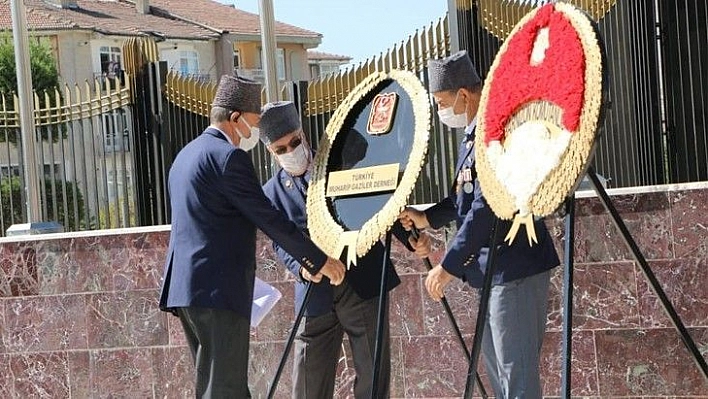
(79, 317)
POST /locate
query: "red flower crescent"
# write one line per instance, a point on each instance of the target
(559, 79)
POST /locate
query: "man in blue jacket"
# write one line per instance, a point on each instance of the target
(515, 324)
(350, 307)
(217, 204)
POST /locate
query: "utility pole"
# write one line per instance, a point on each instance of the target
(29, 158)
(24, 92)
(265, 10)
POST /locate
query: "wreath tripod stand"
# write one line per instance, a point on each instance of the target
(382, 305)
(568, 291)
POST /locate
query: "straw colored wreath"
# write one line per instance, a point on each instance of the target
(538, 114)
(325, 231)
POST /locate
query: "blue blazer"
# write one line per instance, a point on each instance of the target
(217, 204)
(466, 256)
(289, 195)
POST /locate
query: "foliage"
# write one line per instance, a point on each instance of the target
(119, 214)
(45, 78)
(11, 194)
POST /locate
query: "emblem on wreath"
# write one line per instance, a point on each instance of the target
(539, 113)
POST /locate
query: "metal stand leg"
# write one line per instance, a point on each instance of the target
(568, 295)
(482, 313)
(291, 339)
(383, 301)
(653, 282)
(453, 322)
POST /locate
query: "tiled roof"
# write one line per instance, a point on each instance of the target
(223, 17)
(321, 56)
(108, 17)
(37, 19)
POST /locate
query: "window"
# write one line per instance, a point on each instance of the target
(50, 171)
(279, 63)
(188, 62)
(110, 61)
(314, 71)
(326, 69)
(237, 59)
(116, 136)
(119, 182)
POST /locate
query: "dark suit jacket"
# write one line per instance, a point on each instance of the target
(288, 194)
(217, 204)
(466, 256)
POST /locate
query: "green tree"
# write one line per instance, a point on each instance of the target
(12, 207)
(45, 78)
(45, 75)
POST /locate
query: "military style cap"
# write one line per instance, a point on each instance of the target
(237, 93)
(452, 72)
(278, 119)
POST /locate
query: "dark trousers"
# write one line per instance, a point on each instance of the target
(219, 342)
(319, 342)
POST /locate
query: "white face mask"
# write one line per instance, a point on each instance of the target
(297, 161)
(450, 118)
(247, 144)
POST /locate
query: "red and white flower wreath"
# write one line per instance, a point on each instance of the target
(538, 114)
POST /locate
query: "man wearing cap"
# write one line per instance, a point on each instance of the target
(217, 204)
(515, 324)
(351, 307)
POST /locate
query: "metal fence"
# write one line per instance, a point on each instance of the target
(84, 151)
(655, 129)
(106, 149)
(684, 40)
(170, 111)
(656, 123)
(322, 97)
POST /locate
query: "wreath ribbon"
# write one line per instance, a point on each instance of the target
(526, 220)
(348, 239)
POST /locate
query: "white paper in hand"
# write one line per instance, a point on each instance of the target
(265, 296)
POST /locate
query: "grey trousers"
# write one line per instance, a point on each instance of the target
(319, 341)
(219, 342)
(513, 335)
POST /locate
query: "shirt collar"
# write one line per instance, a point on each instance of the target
(469, 130)
(225, 135)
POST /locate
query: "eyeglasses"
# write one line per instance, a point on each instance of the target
(292, 144)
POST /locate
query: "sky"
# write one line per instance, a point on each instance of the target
(356, 28)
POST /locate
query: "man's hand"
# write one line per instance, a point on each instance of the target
(334, 269)
(436, 281)
(411, 217)
(421, 246)
(309, 277)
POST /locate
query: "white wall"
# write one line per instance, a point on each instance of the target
(74, 49)
(170, 50)
(298, 65)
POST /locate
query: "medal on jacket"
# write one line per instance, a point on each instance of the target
(464, 180)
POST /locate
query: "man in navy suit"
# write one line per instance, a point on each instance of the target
(217, 204)
(516, 322)
(331, 311)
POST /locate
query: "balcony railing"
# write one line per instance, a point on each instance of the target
(251, 73)
(199, 76)
(113, 77)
